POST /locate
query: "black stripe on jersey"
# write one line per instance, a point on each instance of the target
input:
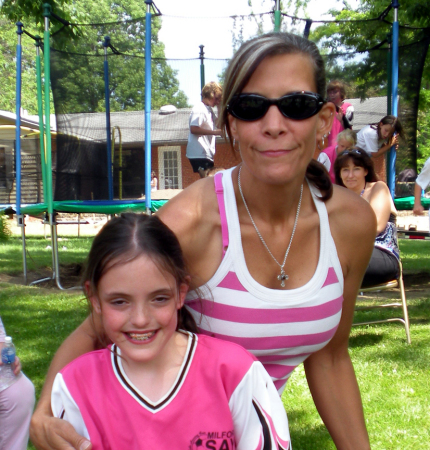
(174, 389)
(266, 429)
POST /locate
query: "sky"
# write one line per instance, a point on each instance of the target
(188, 24)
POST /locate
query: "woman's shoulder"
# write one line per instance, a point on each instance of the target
(193, 205)
(349, 214)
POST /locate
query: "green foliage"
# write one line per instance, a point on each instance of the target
(78, 77)
(368, 74)
(8, 44)
(5, 232)
(81, 77)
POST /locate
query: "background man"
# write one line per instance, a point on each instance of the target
(201, 139)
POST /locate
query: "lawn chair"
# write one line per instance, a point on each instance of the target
(397, 283)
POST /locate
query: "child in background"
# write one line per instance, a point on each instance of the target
(345, 140)
(158, 386)
(344, 116)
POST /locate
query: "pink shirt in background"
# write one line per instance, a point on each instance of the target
(327, 158)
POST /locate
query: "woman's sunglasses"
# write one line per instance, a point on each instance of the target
(296, 106)
(353, 151)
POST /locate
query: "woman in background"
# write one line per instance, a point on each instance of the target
(354, 170)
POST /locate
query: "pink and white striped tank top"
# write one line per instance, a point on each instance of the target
(280, 327)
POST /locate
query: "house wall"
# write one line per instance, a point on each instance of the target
(225, 158)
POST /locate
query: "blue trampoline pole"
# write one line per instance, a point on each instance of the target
(391, 164)
(148, 107)
(19, 32)
(19, 216)
(106, 44)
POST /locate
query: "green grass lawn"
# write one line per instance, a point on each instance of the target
(38, 249)
(393, 376)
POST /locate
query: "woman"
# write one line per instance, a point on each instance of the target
(16, 406)
(275, 243)
(377, 138)
(344, 111)
(154, 182)
(354, 170)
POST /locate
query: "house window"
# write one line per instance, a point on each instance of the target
(2, 167)
(169, 167)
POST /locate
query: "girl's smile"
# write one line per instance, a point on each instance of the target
(138, 303)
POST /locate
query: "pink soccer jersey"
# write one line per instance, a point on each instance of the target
(222, 399)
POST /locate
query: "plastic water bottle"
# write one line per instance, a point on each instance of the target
(7, 377)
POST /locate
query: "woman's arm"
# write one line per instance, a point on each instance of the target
(47, 432)
(329, 372)
(381, 202)
(418, 207)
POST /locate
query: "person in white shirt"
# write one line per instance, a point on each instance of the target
(201, 139)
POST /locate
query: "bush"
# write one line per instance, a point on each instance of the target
(4, 227)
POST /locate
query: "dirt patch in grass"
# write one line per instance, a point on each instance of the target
(70, 276)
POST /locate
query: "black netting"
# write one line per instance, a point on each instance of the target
(77, 79)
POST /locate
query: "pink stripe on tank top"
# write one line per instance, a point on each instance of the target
(238, 314)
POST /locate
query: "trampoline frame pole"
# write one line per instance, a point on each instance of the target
(19, 216)
(277, 17)
(40, 112)
(148, 107)
(391, 163)
(106, 44)
(202, 66)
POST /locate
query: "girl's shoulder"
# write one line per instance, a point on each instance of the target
(85, 363)
(229, 352)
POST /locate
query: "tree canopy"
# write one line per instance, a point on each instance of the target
(77, 57)
(365, 30)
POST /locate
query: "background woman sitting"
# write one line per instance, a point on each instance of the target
(354, 170)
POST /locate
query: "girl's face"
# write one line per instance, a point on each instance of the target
(342, 145)
(385, 131)
(275, 149)
(138, 304)
(353, 177)
(335, 96)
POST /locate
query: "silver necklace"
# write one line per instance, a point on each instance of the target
(283, 276)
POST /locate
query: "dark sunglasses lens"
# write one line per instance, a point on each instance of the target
(249, 108)
(299, 107)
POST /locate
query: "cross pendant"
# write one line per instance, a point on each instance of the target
(282, 277)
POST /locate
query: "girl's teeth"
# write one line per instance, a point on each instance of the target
(141, 337)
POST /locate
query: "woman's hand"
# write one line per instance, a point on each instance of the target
(17, 366)
(339, 115)
(50, 433)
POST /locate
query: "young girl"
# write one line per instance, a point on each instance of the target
(157, 385)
